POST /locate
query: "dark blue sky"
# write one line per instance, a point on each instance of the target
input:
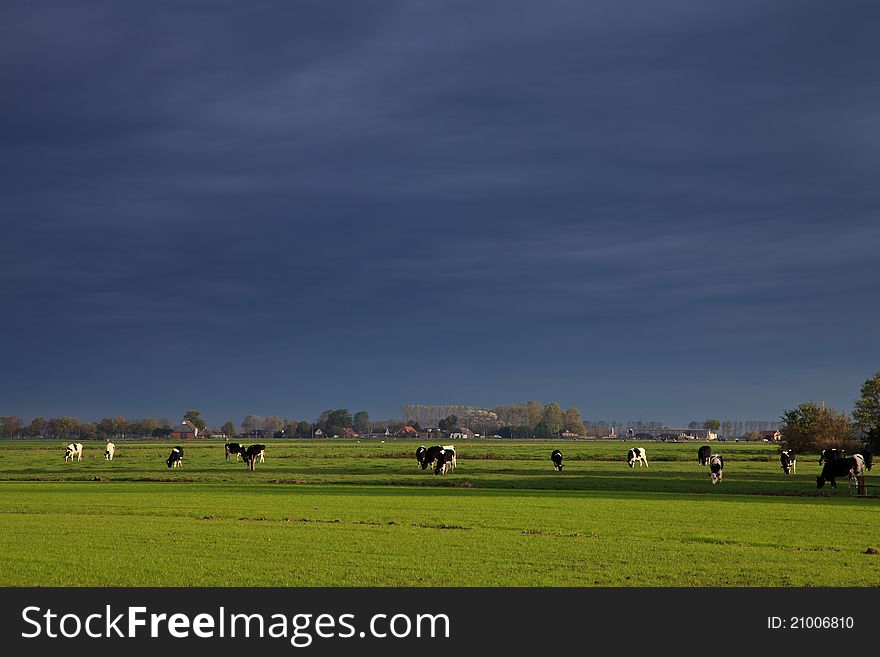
(666, 210)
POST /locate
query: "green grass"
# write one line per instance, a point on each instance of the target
(348, 514)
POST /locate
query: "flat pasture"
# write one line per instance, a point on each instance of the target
(337, 513)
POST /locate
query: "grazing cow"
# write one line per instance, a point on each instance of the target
(175, 459)
(445, 460)
(252, 454)
(716, 467)
(235, 449)
(868, 458)
(850, 467)
(788, 461)
(636, 454)
(109, 451)
(73, 451)
(831, 454)
(430, 455)
(703, 454)
(420, 455)
(556, 457)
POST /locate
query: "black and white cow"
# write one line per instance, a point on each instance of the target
(556, 457)
(703, 454)
(430, 455)
(421, 451)
(850, 467)
(175, 459)
(716, 468)
(235, 449)
(109, 451)
(636, 454)
(831, 454)
(868, 458)
(254, 453)
(73, 451)
(445, 460)
(788, 461)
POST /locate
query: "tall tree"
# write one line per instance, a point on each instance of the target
(712, 425)
(810, 427)
(361, 422)
(866, 412)
(228, 429)
(333, 423)
(10, 425)
(196, 418)
(448, 424)
(572, 421)
(272, 425)
(543, 430)
(554, 417)
(250, 423)
(533, 412)
(36, 427)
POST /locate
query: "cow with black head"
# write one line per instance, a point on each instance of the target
(788, 461)
(445, 460)
(253, 454)
(234, 449)
(850, 467)
(175, 459)
(637, 454)
(556, 457)
(703, 454)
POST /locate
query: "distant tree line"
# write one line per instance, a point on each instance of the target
(72, 428)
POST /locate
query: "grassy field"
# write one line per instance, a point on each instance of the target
(363, 514)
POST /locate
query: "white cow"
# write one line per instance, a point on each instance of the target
(73, 451)
(636, 454)
(109, 451)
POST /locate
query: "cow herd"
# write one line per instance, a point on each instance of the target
(441, 458)
(250, 455)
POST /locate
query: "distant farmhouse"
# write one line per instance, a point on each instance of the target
(771, 436)
(184, 430)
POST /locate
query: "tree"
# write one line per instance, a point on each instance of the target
(196, 418)
(361, 422)
(449, 423)
(303, 429)
(106, 428)
(543, 430)
(712, 425)
(554, 417)
(811, 428)
(36, 427)
(272, 425)
(333, 423)
(572, 421)
(693, 425)
(228, 429)
(532, 412)
(249, 424)
(9, 426)
(866, 412)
